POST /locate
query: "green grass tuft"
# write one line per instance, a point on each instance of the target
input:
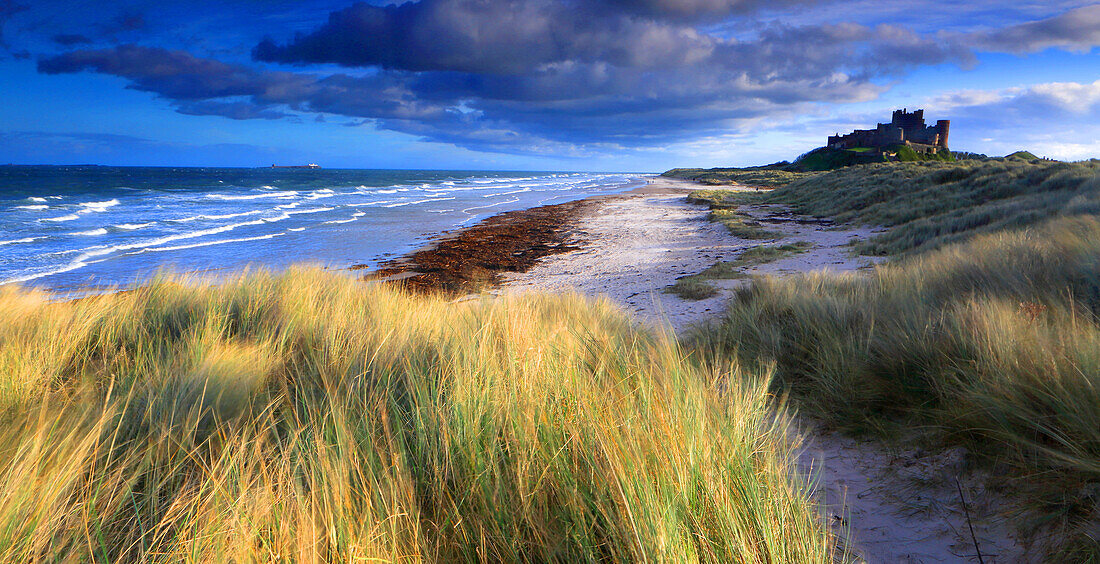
(696, 286)
(693, 288)
(723, 209)
(772, 253)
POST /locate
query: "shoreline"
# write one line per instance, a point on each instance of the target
(628, 247)
(480, 256)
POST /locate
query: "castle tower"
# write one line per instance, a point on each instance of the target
(944, 127)
(910, 122)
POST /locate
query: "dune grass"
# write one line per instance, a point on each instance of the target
(697, 286)
(723, 206)
(762, 177)
(310, 417)
(771, 253)
(993, 344)
(931, 204)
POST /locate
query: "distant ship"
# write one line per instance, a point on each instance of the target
(310, 165)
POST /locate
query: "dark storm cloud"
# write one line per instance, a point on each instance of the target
(611, 72)
(8, 8)
(201, 86)
(129, 21)
(554, 103)
(232, 110)
(70, 39)
(549, 75)
(175, 75)
(1077, 30)
(478, 36)
(694, 9)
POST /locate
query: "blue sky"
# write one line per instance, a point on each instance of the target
(640, 85)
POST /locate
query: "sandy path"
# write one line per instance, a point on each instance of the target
(900, 503)
(893, 505)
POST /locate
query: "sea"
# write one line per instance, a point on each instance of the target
(83, 229)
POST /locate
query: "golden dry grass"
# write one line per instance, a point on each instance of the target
(308, 417)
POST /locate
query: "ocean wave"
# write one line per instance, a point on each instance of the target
(133, 226)
(99, 206)
(223, 216)
(362, 204)
(36, 199)
(506, 193)
(106, 250)
(217, 242)
(69, 217)
(33, 208)
(500, 180)
(253, 196)
(35, 275)
(297, 229)
(310, 210)
(512, 201)
(353, 217)
(24, 240)
(322, 193)
(93, 232)
(400, 204)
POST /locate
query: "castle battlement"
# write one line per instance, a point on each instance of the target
(905, 128)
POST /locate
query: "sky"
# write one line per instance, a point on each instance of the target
(611, 85)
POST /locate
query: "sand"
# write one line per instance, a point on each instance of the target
(888, 504)
(635, 245)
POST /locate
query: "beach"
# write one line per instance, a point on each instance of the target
(626, 247)
(635, 245)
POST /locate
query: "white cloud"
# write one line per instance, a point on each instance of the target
(1055, 119)
(1038, 101)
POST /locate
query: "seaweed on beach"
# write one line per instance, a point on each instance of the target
(473, 259)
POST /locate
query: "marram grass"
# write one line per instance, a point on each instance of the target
(993, 344)
(308, 417)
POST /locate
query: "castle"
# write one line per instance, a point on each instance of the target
(904, 129)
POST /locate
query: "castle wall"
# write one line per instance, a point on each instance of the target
(904, 128)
